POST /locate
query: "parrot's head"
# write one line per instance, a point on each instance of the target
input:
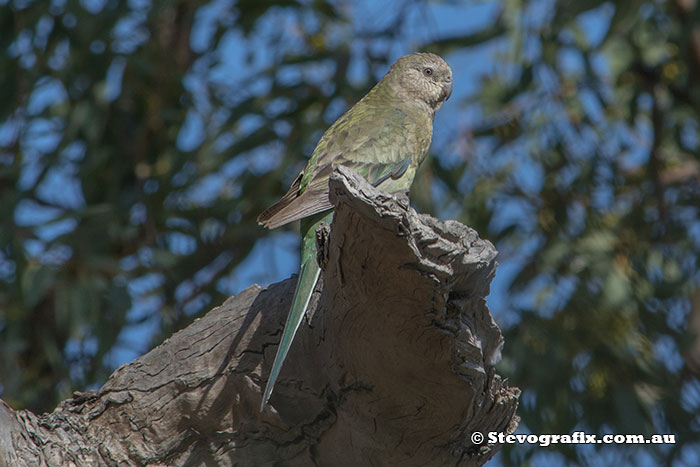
(422, 76)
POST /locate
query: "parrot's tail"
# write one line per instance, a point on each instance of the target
(308, 277)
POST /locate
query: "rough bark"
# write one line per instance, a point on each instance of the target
(395, 366)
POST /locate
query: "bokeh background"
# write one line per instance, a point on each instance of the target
(140, 139)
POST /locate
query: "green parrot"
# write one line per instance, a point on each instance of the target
(384, 137)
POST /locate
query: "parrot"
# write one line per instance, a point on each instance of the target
(384, 137)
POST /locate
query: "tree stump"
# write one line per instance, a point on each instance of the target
(394, 365)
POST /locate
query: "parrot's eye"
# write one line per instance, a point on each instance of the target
(427, 71)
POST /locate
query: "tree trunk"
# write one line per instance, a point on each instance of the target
(394, 367)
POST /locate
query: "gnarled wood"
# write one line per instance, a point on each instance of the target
(395, 366)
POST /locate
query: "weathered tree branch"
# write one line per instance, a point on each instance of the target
(395, 366)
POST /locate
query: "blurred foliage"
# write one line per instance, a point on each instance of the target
(139, 140)
(587, 176)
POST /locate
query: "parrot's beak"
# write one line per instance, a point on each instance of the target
(447, 88)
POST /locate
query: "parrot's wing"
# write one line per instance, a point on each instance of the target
(377, 173)
(376, 152)
(295, 205)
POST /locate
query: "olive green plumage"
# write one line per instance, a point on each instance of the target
(384, 137)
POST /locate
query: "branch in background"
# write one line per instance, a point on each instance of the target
(684, 173)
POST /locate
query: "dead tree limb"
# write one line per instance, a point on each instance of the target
(394, 367)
